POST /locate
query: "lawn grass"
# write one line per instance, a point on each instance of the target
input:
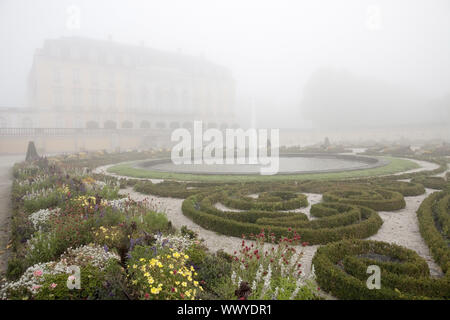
(395, 165)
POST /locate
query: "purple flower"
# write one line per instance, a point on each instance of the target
(105, 247)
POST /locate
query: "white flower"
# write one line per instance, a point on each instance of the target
(91, 254)
(39, 218)
(233, 278)
(267, 279)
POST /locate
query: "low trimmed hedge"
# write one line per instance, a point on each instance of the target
(267, 200)
(437, 183)
(434, 223)
(407, 189)
(377, 199)
(355, 222)
(341, 268)
(173, 189)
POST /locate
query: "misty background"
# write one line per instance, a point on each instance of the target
(297, 64)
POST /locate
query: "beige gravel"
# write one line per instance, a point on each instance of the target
(399, 227)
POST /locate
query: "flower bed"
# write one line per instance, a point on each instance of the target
(269, 272)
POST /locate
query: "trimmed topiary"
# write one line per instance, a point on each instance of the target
(341, 269)
(434, 225)
(172, 189)
(341, 221)
(438, 183)
(407, 189)
(377, 199)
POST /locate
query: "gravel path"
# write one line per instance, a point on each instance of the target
(6, 162)
(402, 227)
(399, 227)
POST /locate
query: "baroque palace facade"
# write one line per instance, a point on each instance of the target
(84, 83)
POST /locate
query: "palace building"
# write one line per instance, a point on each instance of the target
(84, 83)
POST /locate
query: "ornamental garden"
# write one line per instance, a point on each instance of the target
(78, 232)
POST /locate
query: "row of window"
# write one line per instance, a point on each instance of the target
(147, 125)
(102, 57)
(26, 122)
(158, 102)
(212, 93)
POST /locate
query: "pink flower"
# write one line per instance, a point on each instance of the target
(53, 285)
(38, 273)
(36, 288)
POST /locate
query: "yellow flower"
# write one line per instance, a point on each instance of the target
(195, 283)
(184, 284)
(176, 255)
(155, 290)
(188, 293)
(171, 266)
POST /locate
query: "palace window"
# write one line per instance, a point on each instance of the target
(76, 99)
(3, 122)
(27, 123)
(57, 98)
(145, 124)
(57, 78)
(127, 124)
(95, 99)
(110, 124)
(76, 77)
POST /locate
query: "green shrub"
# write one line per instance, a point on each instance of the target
(438, 183)
(377, 199)
(341, 269)
(433, 216)
(356, 222)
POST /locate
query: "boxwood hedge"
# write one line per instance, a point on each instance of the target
(434, 225)
(341, 269)
(377, 199)
(342, 221)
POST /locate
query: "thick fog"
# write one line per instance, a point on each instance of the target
(297, 64)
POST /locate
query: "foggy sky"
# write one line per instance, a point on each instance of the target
(273, 48)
